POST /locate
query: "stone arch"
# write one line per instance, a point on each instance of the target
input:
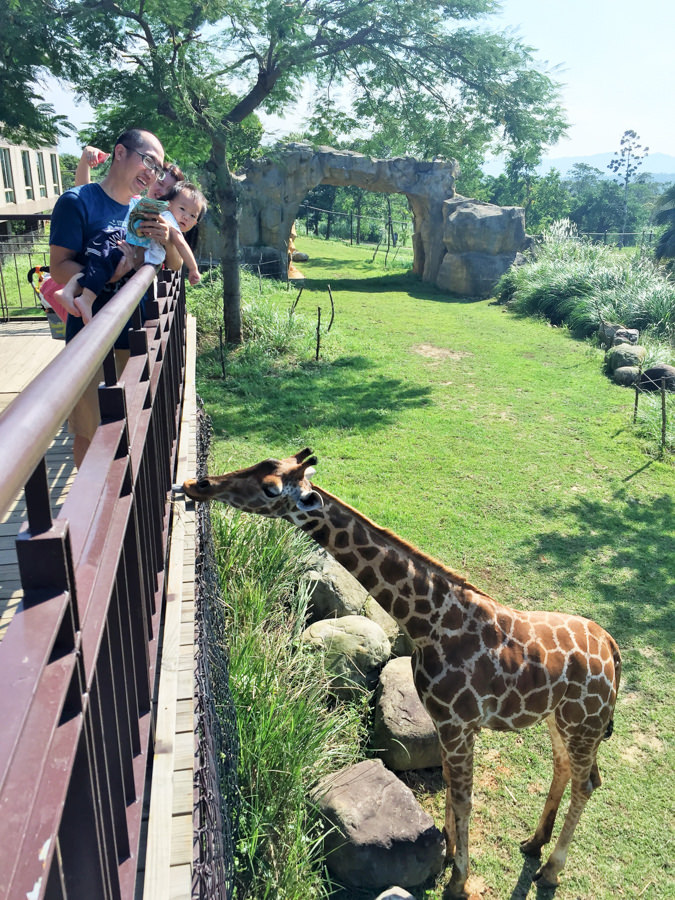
(272, 189)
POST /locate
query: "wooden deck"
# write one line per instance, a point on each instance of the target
(165, 870)
(25, 349)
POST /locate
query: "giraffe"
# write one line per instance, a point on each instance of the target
(476, 663)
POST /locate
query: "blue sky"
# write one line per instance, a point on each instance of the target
(615, 60)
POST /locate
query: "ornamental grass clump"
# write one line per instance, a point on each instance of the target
(571, 281)
(290, 732)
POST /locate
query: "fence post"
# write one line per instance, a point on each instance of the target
(663, 413)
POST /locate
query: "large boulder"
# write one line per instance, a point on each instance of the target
(626, 375)
(472, 226)
(401, 644)
(625, 355)
(612, 334)
(482, 241)
(403, 735)
(355, 650)
(651, 379)
(377, 833)
(334, 592)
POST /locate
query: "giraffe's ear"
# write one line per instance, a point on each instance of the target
(309, 501)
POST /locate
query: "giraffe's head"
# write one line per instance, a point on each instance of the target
(273, 487)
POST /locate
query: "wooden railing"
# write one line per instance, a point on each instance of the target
(78, 662)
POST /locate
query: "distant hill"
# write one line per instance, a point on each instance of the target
(659, 165)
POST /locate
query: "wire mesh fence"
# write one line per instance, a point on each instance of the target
(217, 747)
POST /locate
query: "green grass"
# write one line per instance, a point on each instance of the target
(495, 443)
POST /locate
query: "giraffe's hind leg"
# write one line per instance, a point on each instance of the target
(561, 775)
(585, 778)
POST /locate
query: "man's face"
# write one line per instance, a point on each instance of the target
(136, 174)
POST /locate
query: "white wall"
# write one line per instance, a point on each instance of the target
(17, 197)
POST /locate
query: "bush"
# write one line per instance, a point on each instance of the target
(573, 282)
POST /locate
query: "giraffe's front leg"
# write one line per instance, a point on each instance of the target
(458, 772)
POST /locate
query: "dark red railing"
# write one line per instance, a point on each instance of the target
(78, 662)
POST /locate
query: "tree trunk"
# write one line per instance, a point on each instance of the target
(226, 197)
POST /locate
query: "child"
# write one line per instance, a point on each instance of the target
(186, 206)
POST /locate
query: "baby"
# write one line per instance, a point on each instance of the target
(186, 206)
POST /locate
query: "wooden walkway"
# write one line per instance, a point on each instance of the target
(165, 871)
(25, 349)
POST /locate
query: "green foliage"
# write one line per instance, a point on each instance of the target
(574, 282)
(290, 735)
(665, 215)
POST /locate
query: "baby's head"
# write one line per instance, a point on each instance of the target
(187, 204)
(159, 189)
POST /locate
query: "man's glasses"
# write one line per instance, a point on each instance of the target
(149, 164)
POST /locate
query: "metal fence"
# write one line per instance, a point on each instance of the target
(79, 659)
(23, 246)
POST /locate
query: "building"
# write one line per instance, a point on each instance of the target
(30, 180)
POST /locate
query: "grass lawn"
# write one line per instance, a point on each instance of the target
(496, 444)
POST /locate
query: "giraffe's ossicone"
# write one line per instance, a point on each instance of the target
(476, 663)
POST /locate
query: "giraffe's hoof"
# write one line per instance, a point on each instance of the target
(531, 847)
(546, 877)
(456, 888)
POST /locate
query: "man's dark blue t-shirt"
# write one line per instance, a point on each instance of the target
(79, 214)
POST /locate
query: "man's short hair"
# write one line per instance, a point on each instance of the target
(133, 139)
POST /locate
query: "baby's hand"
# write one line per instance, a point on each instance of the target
(194, 277)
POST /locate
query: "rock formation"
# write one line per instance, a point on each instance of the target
(460, 245)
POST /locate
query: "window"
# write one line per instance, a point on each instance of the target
(7, 178)
(42, 178)
(27, 175)
(55, 173)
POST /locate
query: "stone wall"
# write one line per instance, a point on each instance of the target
(461, 245)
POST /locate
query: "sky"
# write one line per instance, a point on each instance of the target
(613, 58)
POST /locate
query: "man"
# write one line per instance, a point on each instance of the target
(78, 215)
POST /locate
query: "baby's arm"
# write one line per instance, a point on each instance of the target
(179, 242)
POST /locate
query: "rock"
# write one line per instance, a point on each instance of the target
(482, 241)
(271, 191)
(625, 355)
(334, 592)
(395, 893)
(650, 380)
(401, 645)
(355, 651)
(611, 335)
(626, 375)
(377, 832)
(403, 733)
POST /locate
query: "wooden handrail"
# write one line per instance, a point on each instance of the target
(28, 425)
(79, 659)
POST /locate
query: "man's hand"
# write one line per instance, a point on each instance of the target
(156, 229)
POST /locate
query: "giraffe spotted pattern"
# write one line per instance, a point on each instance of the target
(476, 663)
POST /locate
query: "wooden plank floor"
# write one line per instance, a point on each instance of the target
(25, 349)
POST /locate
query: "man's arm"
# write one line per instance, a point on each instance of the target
(62, 264)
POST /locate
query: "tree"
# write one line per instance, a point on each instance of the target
(36, 38)
(665, 215)
(210, 64)
(627, 160)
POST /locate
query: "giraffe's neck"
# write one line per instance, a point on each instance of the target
(416, 590)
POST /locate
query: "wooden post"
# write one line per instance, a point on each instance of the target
(318, 332)
(663, 413)
(332, 310)
(635, 407)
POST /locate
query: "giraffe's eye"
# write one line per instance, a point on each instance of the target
(271, 490)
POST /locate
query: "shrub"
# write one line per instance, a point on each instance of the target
(571, 281)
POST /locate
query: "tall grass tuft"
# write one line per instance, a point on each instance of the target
(271, 335)
(573, 282)
(290, 734)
